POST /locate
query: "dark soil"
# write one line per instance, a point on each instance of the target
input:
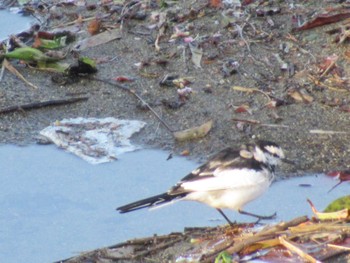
(258, 37)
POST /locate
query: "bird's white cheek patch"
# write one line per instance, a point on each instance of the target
(275, 150)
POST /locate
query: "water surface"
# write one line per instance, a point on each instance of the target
(54, 205)
(13, 23)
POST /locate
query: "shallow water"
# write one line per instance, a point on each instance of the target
(13, 23)
(55, 205)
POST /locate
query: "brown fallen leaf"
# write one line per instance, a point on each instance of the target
(215, 3)
(94, 26)
(243, 108)
(343, 176)
(194, 132)
(324, 19)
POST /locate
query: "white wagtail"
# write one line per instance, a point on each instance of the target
(230, 179)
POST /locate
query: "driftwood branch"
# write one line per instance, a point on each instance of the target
(41, 104)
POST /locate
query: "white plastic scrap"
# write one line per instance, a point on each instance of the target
(94, 140)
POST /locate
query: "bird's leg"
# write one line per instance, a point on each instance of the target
(228, 220)
(257, 216)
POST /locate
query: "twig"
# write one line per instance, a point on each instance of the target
(3, 64)
(240, 32)
(133, 92)
(327, 132)
(251, 90)
(328, 68)
(261, 124)
(40, 104)
(293, 248)
(268, 233)
(157, 247)
(2, 71)
(146, 240)
(339, 247)
(14, 71)
(76, 22)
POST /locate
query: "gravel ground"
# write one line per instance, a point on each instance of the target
(250, 40)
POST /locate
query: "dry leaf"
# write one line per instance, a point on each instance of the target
(343, 176)
(325, 19)
(243, 108)
(215, 3)
(98, 39)
(300, 96)
(338, 215)
(194, 133)
(185, 153)
(197, 54)
(94, 26)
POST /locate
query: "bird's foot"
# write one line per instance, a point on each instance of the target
(259, 217)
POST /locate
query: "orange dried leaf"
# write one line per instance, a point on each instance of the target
(123, 79)
(242, 108)
(94, 27)
(185, 153)
(37, 42)
(215, 3)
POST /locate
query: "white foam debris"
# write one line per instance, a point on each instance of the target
(94, 140)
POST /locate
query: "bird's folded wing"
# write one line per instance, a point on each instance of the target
(224, 179)
(224, 159)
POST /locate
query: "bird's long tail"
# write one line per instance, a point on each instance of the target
(156, 200)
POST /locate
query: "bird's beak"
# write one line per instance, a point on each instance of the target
(288, 161)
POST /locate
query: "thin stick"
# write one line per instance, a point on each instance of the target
(328, 68)
(133, 92)
(14, 71)
(297, 250)
(327, 132)
(41, 104)
(261, 124)
(157, 247)
(239, 244)
(2, 71)
(2, 57)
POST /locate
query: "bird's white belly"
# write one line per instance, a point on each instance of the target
(231, 198)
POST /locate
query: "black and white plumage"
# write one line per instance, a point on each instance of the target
(230, 179)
